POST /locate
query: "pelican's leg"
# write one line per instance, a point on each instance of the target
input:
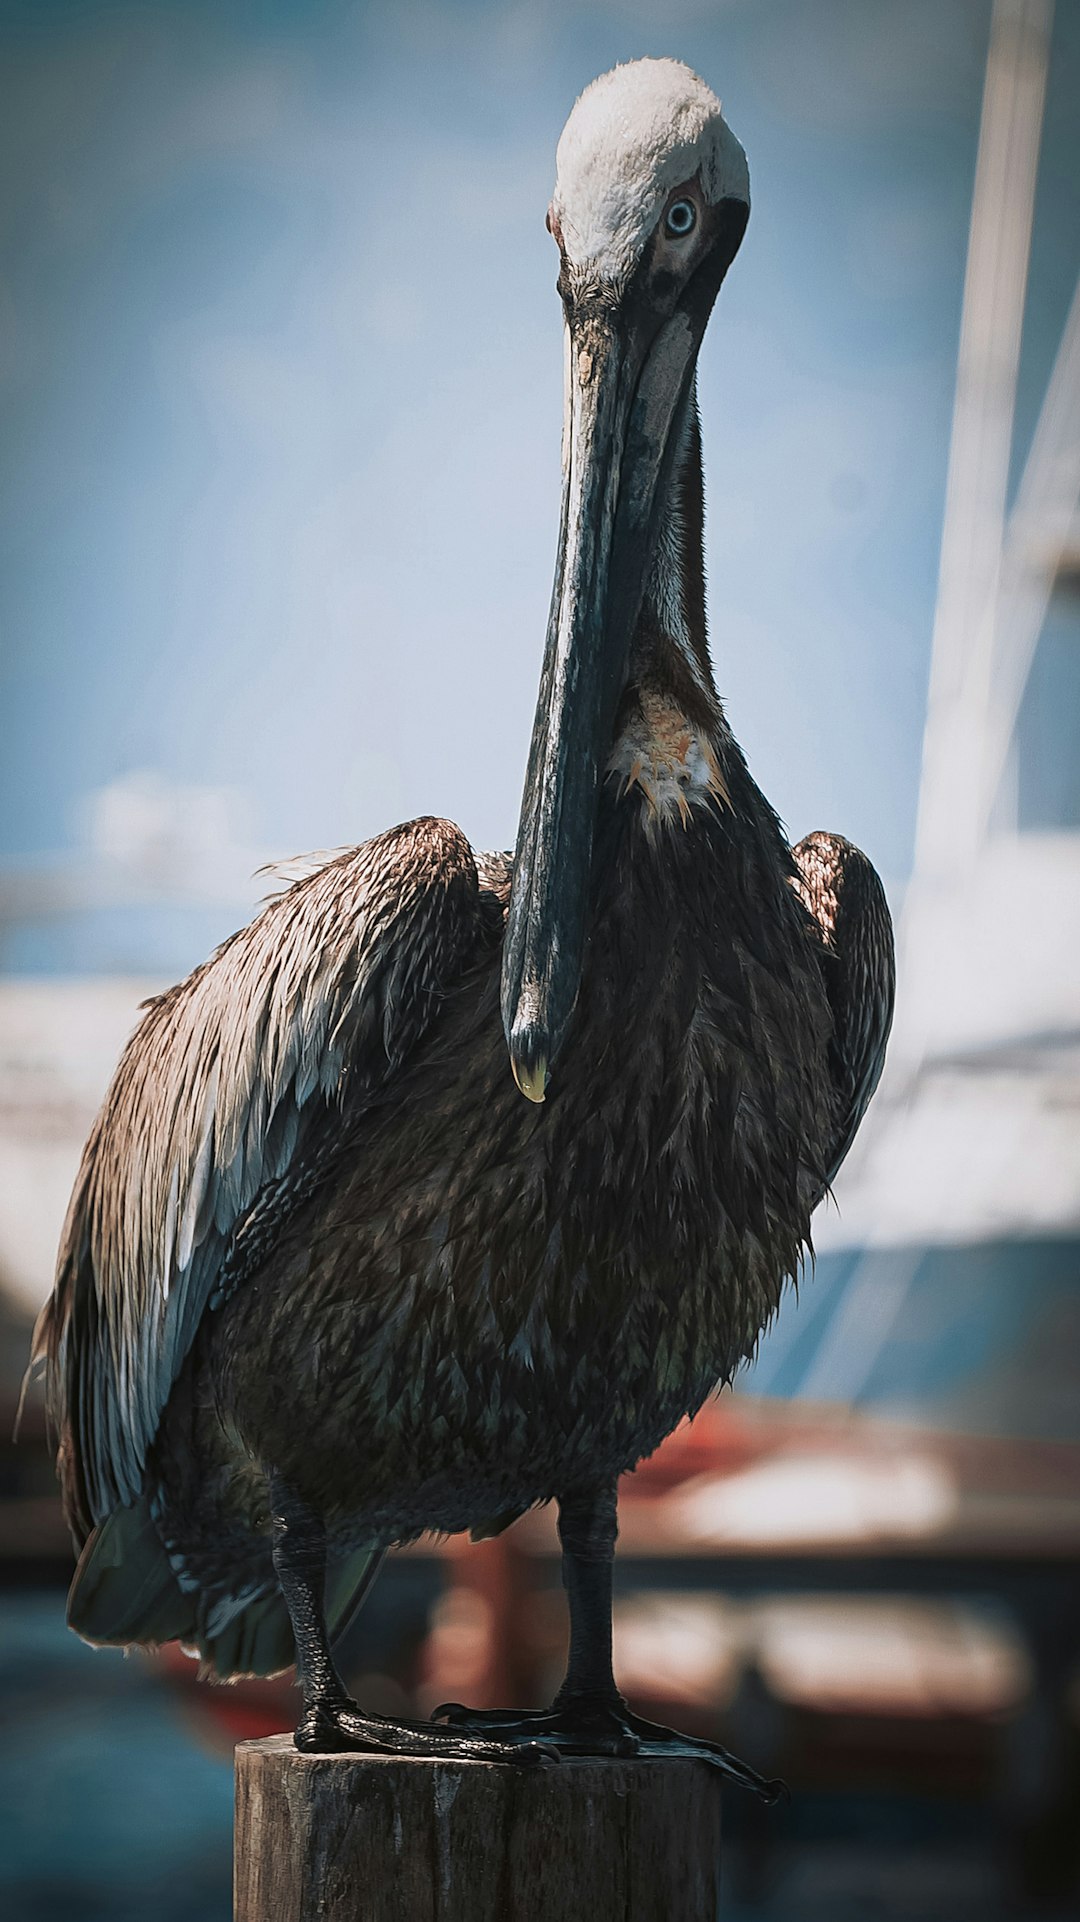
(588, 1531)
(331, 1720)
(589, 1716)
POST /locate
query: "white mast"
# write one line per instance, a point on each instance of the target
(951, 810)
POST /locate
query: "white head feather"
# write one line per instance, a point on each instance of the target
(634, 135)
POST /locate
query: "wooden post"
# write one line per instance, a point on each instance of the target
(363, 1838)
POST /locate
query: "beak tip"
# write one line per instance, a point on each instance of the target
(528, 1041)
(531, 1077)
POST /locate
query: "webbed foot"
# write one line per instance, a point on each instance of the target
(588, 1725)
(331, 1729)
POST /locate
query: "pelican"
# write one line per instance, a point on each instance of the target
(335, 1272)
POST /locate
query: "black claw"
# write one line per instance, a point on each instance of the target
(534, 1754)
(770, 1791)
(577, 1727)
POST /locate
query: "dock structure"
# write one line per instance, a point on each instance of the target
(364, 1838)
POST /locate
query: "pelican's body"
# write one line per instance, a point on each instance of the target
(488, 1298)
(328, 1280)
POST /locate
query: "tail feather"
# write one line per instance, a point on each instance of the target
(259, 1639)
(348, 1587)
(125, 1590)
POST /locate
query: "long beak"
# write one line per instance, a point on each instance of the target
(623, 407)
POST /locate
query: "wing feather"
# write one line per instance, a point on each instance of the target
(843, 893)
(227, 1081)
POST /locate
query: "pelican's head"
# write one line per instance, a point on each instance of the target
(642, 140)
(651, 201)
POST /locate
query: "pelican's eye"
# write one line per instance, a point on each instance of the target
(681, 218)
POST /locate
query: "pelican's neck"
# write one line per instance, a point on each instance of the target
(670, 718)
(672, 643)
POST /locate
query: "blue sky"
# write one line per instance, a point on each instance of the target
(280, 384)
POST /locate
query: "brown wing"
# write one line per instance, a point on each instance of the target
(223, 1100)
(842, 890)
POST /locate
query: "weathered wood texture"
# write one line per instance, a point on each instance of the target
(360, 1838)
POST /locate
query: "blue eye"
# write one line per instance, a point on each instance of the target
(681, 218)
